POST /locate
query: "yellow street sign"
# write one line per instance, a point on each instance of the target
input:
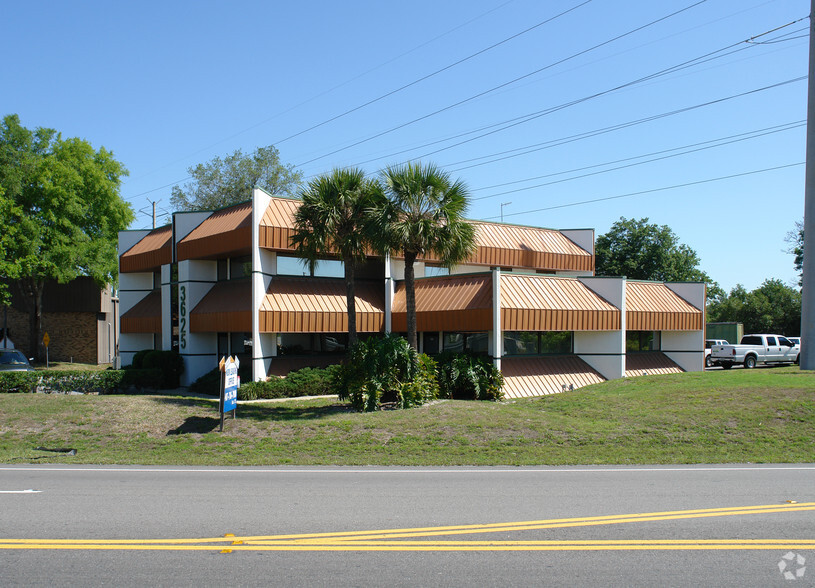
(46, 339)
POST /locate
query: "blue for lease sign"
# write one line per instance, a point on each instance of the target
(230, 385)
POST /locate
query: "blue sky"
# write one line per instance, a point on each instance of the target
(531, 103)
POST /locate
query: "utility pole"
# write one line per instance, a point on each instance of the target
(503, 204)
(154, 204)
(808, 279)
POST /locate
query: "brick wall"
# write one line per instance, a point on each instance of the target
(73, 335)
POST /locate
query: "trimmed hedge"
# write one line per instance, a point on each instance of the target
(303, 382)
(106, 382)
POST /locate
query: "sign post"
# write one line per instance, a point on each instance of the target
(229, 387)
(45, 341)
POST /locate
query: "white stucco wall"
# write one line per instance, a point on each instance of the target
(199, 350)
(685, 348)
(604, 350)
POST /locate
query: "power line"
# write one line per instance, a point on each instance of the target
(503, 85)
(589, 134)
(651, 191)
(332, 89)
(665, 154)
(510, 123)
(430, 75)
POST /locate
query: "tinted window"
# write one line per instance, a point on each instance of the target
(747, 340)
(771, 341)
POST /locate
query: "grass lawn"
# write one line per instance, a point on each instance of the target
(760, 415)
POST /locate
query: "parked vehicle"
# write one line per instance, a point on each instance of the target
(13, 360)
(754, 350)
(796, 340)
(709, 343)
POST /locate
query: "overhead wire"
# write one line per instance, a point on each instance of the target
(664, 154)
(503, 85)
(651, 191)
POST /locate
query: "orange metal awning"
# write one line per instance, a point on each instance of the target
(537, 376)
(145, 316)
(447, 303)
(652, 306)
(150, 253)
(227, 307)
(649, 363)
(318, 305)
(542, 303)
(528, 247)
(277, 224)
(225, 233)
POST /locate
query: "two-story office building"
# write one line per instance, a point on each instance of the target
(229, 282)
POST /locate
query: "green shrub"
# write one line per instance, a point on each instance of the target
(168, 362)
(19, 381)
(105, 382)
(303, 382)
(467, 376)
(138, 358)
(385, 370)
(142, 378)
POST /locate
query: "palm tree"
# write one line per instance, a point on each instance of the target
(332, 220)
(424, 215)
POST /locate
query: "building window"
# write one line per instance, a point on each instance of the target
(296, 266)
(642, 341)
(472, 342)
(312, 343)
(538, 342)
(431, 271)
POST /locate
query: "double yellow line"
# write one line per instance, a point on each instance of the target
(408, 539)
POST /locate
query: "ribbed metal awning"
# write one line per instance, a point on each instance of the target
(318, 305)
(653, 306)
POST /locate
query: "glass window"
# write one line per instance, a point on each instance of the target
(223, 265)
(538, 343)
(291, 266)
(476, 342)
(642, 341)
(556, 342)
(770, 341)
(431, 271)
(454, 342)
(240, 267)
(521, 343)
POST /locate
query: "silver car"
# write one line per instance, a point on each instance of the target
(13, 360)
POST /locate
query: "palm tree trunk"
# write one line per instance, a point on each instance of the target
(410, 300)
(350, 300)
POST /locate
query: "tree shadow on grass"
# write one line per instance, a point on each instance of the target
(264, 412)
(196, 424)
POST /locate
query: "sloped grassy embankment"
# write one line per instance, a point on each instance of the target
(761, 415)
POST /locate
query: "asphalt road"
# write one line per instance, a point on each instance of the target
(583, 526)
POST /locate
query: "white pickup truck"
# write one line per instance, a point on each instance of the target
(756, 349)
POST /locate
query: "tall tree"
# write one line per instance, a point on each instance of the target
(641, 250)
(61, 212)
(773, 307)
(424, 216)
(332, 221)
(223, 182)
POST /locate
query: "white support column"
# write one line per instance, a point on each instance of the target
(389, 293)
(264, 266)
(604, 350)
(497, 334)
